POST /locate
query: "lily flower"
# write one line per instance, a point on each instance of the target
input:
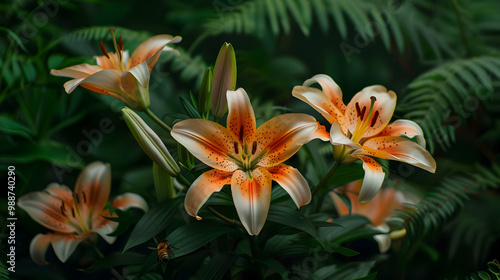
(362, 130)
(378, 210)
(75, 216)
(247, 158)
(118, 75)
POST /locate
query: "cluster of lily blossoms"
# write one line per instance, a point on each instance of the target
(247, 157)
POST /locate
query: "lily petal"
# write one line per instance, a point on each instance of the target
(149, 48)
(76, 71)
(104, 227)
(373, 179)
(92, 187)
(330, 88)
(241, 118)
(46, 210)
(320, 102)
(60, 191)
(281, 137)
(385, 104)
(405, 128)
(383, 239)
(201, 189)
(38, 248)
(65, 244)
(128, 200)
(208, 141)
(252, 198)
(400, 149)
(320, 133)
(337, 137)
(290, 179)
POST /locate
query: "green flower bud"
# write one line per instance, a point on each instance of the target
(204, 102)
(224, 79)
(150, 142)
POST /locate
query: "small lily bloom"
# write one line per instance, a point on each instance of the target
(118, 75)
(75, 216)
(362, 130)
(247, 158)
(378, 210)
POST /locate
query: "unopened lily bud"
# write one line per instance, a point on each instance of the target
(150, 142)
(224, 79)
(204, 102)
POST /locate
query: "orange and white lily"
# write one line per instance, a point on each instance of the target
(362, 130)
(378, 210)
(118, 75)
(246, 157)
(75, 216)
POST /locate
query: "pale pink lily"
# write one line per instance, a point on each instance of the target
(118, 75)
(75, 216)
(362, 130)
(247, 158)
(378, 210)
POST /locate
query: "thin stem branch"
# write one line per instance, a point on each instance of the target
(224, 218)
(157, 120)
(325, 179)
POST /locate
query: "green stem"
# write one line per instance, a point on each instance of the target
(224, 218)
(184, 181)
(325, 179)
(157, 120)
(101, 255)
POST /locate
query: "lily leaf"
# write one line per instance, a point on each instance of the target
(292, 218)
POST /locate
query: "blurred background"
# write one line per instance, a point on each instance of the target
(440, 57)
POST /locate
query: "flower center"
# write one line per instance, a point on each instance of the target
(244, 154)
(75, 216)
(118, 64)
(363, 124)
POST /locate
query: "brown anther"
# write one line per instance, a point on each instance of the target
(254, 147)
(103, 49)
(236, 147)
(62, 209)
(362, 114)
(374, 119)
(84, 197)
(77, 200)
(358, 111)
(121, 43)
(373, 98)
(73, 212)
(241, 133)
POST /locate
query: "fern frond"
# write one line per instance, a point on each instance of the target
(440, 205)
(190, 68)
(259, 16)
(450, 87)
(100, 33)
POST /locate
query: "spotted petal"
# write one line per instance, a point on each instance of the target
(405, 128)
(281, 137)
(252, 197)
(241, 118)
(92, 187)
(290, 179)
(201, 189)
(385, 104)
(46, 210)
(373, 179)
(129, 200)
(330, 88)
(400, 149)
(208, 141)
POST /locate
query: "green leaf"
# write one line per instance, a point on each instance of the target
(275, 265)
(190, 109)
(117, 259)
(217, 266)
(192, 236)
(341, 250)
(371, 276)
(291, 218)
(8, 125)
(153, 222)
(15, 38)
